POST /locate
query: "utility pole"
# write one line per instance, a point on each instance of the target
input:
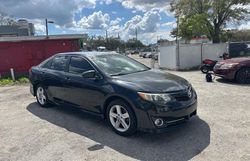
(136, 34)
(106, 39)
(119, 46)
(178, 45)
(177, 29)
(136, 38)
(46, 25)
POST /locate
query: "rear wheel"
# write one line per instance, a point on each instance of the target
(41, 96)
(243, 76)
(121, 118)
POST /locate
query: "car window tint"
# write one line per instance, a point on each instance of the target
(59, 63)
(47, 64)
(79, 65)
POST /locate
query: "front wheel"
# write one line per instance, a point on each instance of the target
(243, 76)
(204, 69)
(121, 118)
(41, 96)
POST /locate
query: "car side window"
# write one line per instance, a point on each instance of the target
(79, 65)
(59, 63)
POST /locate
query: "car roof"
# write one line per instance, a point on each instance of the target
(88, 53)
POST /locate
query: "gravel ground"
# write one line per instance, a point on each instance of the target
(220, 132)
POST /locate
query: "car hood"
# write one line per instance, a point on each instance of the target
(235, 60)
(153, 81)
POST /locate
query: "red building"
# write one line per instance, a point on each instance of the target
(21, 53)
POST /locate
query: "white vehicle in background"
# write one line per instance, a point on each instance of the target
(145, 53)
(101, 48)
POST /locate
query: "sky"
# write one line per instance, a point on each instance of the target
(151, 18)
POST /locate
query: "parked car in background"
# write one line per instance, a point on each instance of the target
(156, 56)
(127, 52)
(148, 55)
(141, 54)
(145, 52)
(234, 69)
(114, 87)
(134, 52)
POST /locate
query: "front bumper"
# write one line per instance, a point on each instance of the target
(32, 89)
(171, 119)
(225, 73)
(177, 114)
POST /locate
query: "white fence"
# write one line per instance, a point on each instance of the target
(167, 57)
(187, 56)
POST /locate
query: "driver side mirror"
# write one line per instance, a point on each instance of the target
(91, 74)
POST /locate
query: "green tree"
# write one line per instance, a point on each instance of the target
(207, 16)
(134, 44)
(238, 35)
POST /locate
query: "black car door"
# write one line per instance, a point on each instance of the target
(53, 78)
(86, 93)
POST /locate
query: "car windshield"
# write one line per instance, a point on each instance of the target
(116, 64)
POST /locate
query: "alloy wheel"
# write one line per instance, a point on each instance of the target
(119, 118)
(243, 76)
(40, 93)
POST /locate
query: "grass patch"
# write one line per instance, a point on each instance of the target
(8, 81)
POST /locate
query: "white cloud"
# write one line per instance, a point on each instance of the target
(107, 2)
(151, 38)
(115, 22)
(149, 23)
(97, 20)
(146, 25)
(169, 24)
(63, 13)
(39, 28)
(147, 5)
(60, 11)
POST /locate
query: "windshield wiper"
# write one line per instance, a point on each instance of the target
(121, 73)
(117, 74)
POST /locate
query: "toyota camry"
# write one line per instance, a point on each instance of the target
(128, 94)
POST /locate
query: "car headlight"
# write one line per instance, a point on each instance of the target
(157, 98)
(228, 66)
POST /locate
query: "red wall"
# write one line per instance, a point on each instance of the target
(24, 54)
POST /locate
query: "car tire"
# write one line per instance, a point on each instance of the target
(41, 96)
(243, 76)
(121, 118)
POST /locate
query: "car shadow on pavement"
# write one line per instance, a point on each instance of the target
(181, 144)
(230, 82)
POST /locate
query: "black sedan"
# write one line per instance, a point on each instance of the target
(128, 94)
